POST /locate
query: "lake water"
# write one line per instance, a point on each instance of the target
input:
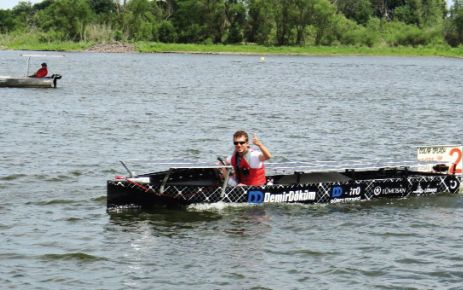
(59, 146)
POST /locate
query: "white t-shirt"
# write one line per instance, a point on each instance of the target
(254, 162)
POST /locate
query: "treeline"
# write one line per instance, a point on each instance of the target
(267, 22)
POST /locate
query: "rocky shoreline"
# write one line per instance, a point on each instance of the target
(113, 47)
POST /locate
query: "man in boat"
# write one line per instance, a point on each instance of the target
(42, 72)
(248, 164)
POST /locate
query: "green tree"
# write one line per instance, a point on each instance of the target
(433, 12)
(359, 10)
(384, 9)
(454, 25)
(188, 20)
(103, 6)
(200, 21)
(215, 19)
(323, 18)
(303, 12)
(348, 32)
(410, 13)
(423, 13)
(23, 16)
(260, 21)
(106, 14)
(167, 7)
(235, 13)
(166, 32)
(140, 20)
(7, 21)
(69, 17)
(43, 4)
(284, 20)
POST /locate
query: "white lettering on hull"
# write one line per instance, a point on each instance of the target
(427, 190)
(394, 190)
(291, 196)
(343, 200)
(386, 191)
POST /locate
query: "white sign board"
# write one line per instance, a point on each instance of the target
(448, 154)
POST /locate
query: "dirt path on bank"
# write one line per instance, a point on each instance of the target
(115, 47)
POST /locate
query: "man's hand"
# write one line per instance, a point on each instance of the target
(265, 153)
(256, 141)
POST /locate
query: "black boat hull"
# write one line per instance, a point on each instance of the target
(306, 188)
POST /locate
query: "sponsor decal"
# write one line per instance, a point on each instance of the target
(345, 200)
(388, 190)
(452, 155)
(255, 196)
(354, 191)
(420, 190)
(336, 192)
(431, 150)
(393, 190)
(291, 196)
(453, 184)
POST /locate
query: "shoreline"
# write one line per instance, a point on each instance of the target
(243, 49)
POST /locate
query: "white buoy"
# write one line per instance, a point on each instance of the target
(262, 59)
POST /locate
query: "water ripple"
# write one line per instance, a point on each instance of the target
(81, 257)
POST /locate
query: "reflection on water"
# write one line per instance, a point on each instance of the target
(163, 215)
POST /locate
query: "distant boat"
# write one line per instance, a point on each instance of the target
(31, 82)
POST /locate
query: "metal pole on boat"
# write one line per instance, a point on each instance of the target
(164, 181)
(225, 180)
(226, 177)
(27, 67)
(131, 174)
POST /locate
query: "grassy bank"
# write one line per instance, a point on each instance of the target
(34, 42)
(292, 50)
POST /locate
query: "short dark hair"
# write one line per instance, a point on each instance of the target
(241, 133)
(44, 64)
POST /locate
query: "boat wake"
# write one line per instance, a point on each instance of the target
(218, 206)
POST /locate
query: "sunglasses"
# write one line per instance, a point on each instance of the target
(239, 142)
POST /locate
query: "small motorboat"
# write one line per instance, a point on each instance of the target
(27, 81)
(186, 185)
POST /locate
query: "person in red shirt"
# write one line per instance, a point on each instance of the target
(42, 72)
(248, 163)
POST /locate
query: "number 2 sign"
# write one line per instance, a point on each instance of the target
(456, 153)
(452, 155)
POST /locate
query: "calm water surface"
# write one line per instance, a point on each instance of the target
(59, 146)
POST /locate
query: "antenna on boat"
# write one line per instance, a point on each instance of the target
(131, 173)
(27, 67)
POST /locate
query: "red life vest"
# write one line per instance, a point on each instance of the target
(41, 73)
(247, 175)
